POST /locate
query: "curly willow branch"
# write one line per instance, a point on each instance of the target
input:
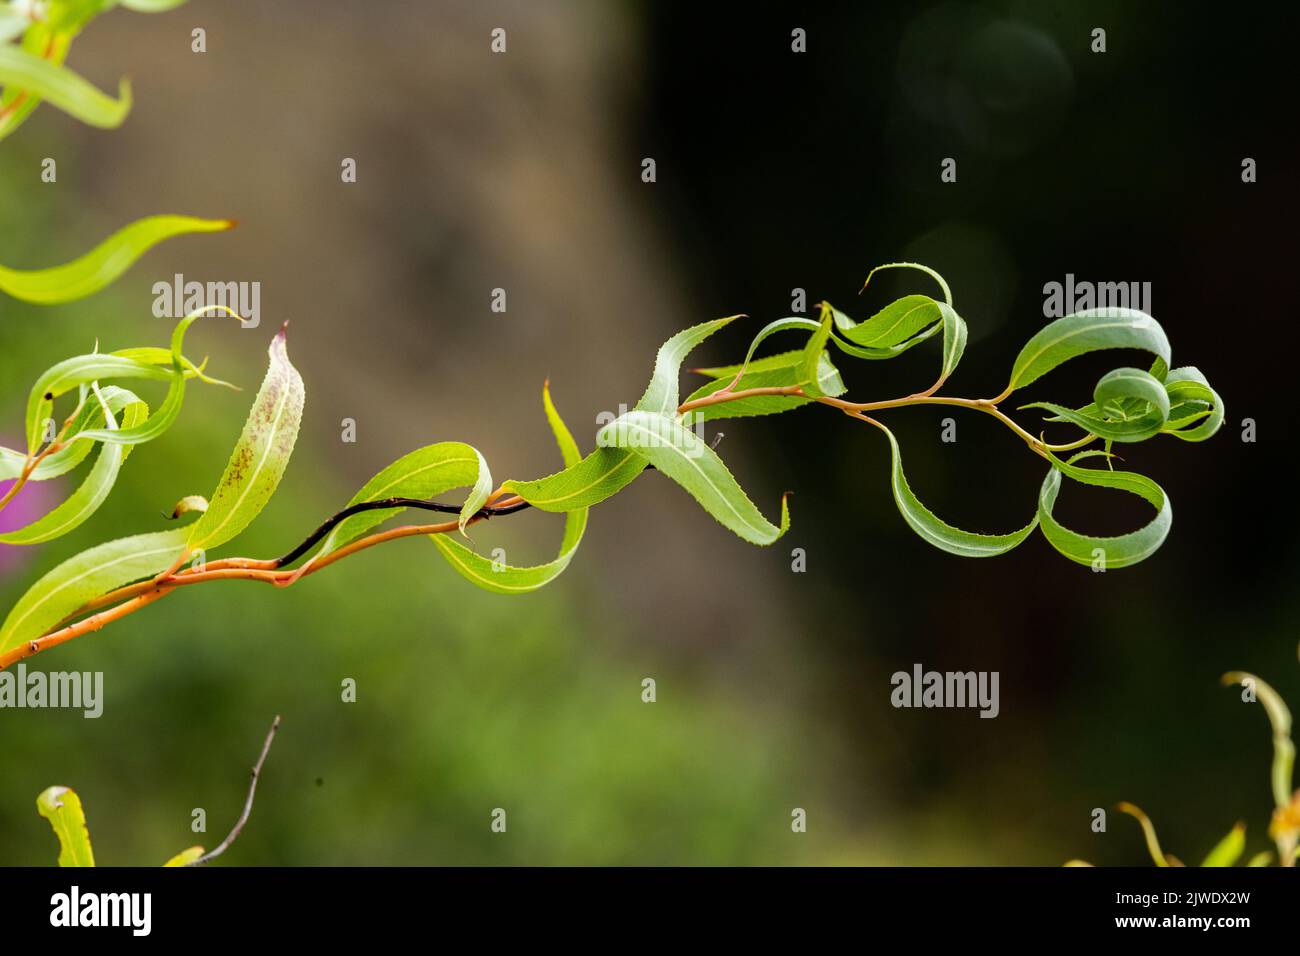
(128, 600)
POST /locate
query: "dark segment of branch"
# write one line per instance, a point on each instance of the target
(328, 526)
(383, 503)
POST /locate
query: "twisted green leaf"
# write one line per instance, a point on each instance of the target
(1129, 405)
(423, 473)
(260, 456)
(1193, 400)
(502, 578)
(62, 807)
(661, 395)
(681, 455)
(80, 373)
(935, 530)
(608, 470)
(1116, 552)
(905, 323)
(82, 370)
(810, 361)
(103, 264)
(158, 423)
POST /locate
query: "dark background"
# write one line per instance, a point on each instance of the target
(775, 170)
(806, 170)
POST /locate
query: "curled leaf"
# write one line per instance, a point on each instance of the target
(608, 470)
(196, 504)
(157, 424)
(943, 285)
(1197, 410)
(935, 530)
(502, 578)
(1116, 552)
(478, 494)
(905, 323)
(1129, 405)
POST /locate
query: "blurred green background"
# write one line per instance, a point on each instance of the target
(775, 171)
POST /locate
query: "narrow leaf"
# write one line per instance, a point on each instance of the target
(424, 473)
(954, 340)
(661, 395)
(501, 578)
(1116, 552)
(907, 322)
(103, 264)
(260, 456)
(681, 455)
(51, 45)
(478, 494)
(1083, 332)
(63, 88)
(769, 372)
(895, 323)
(938, 532)
(947, 293)
(601, 474)
(1196, 401)
(1129, 405)
(85, 577)
(608, 470)
(81, 370)
(158, 423)
(813, 351)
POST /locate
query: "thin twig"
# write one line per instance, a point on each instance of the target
(248, 804)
